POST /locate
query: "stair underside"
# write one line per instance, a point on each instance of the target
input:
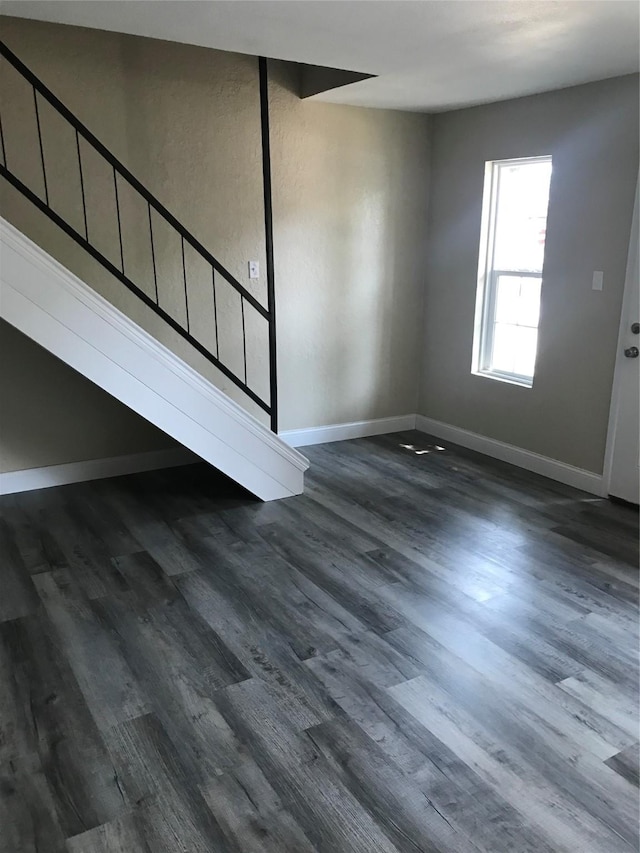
(46, 302)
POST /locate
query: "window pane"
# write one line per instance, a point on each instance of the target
(525, 358)
(518, 300)
(529, 302)
(522, 201)
(514, 349)
(508, 299)
(505, 343)
(514, 220)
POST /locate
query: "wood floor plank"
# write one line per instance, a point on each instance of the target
(449, 782)
(325, 810)
(170, 808)
(555, 817)
(405, 814)
(515, 727)
(373, 659)
(566, 713)
(18, 596)
(264, 654)
(22, 514)
(429, 650)
(626, 763)
(110, 689)
(179, 663)
(283, 599)
(335, 574)
(75, 544)
(53, 726)
(123, 835)
(251, 813)
(108, 526)
(145, 579)
(605, 698)
(28, 819)
(531, 650)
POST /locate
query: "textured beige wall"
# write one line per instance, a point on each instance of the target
(592, 133)
(350, 200)
(50, 415)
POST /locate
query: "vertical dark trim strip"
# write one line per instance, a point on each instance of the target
(268, 232)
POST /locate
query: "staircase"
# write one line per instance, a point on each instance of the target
(63, 314)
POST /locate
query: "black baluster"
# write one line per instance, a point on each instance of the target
(115, 186)
(184, 279)
(4, 150)
(84, 201)
(44, 171)
(244, 340)
(215, 311)
(153, 256)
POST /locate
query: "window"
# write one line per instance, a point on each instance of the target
(514, 221)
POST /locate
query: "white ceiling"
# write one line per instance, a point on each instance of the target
(428, 55)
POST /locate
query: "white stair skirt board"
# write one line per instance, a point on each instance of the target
(559, 471)
(53, 307)
(341, 432)
(94, 469)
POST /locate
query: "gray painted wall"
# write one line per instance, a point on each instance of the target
(592, 133)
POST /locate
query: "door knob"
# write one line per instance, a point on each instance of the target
(632, 352)
(635, 328)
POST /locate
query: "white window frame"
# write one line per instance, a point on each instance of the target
(488, 276)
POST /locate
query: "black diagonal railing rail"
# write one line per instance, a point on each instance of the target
(122, 176)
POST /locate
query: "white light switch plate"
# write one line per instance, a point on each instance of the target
(598, 278)
(254, 269)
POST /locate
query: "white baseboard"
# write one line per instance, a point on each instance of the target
(341, 432)
(552, 468)
(94, 469)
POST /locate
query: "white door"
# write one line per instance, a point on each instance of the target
(623, 451)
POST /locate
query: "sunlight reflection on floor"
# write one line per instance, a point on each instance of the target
(420, 451)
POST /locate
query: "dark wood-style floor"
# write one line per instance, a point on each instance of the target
(428, 651)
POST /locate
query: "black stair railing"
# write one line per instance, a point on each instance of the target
(122, 176)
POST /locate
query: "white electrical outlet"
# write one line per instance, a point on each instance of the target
(254, 269)
(598, 278)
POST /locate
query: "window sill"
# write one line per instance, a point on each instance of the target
(521, 381)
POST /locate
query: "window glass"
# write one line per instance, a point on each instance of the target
(521, 216)
(510, 268)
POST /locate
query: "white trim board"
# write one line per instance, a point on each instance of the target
(75, 472)
(343, 432)
(57, 310)
(551, 468)
(93, 469)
